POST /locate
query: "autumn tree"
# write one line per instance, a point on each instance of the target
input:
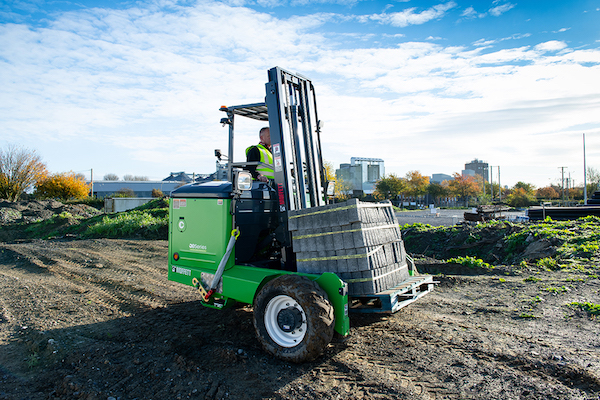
(547, 193)
(341, 188)
(416, 184)
(519, 197)
(389, 187)
(463, 186)
(437, 191)
(20, 170)
(63, 186)
(527, 187)
(157, 193)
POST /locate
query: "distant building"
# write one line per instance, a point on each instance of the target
(221, 174)
(439, 178)
(361, 174)
(104, 189)
(478, 167)
(187, 178)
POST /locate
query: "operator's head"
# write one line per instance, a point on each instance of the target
(265, 136)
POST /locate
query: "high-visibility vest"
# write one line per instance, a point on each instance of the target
(265, 157)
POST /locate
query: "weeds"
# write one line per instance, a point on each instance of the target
(532, 279)
(33, 360)
(556, 290)
(562, 245)
(470, 262)
(590, 308)
(127, 225)
(525, 315)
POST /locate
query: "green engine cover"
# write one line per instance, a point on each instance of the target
(199, 230)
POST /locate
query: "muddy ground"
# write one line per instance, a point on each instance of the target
(97, 319)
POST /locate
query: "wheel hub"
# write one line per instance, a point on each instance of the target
(289, 319)
(285, 321)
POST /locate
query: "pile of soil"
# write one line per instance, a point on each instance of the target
(485, 243)
(16, 216)
(41, 210)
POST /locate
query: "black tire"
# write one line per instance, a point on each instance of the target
(293, 318)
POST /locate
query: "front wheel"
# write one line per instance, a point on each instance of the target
(293, 318)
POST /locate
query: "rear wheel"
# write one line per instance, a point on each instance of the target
(293, 318)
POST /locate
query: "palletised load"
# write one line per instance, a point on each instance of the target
(361, 242)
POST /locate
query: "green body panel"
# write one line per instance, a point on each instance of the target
(199, 230)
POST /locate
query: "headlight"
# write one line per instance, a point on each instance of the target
(244, 180)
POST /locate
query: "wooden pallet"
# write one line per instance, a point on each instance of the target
(392, 300)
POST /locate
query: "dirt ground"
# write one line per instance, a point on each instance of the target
(97, 319)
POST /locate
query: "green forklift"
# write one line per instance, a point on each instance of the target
(302, 263)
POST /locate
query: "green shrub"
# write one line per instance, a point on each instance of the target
(124, 192)
(470, 262)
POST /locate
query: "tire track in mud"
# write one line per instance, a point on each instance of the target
(117, 282)
(473, 366)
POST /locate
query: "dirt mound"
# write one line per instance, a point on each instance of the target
(41, 210)
(40, 218)
(499, 243)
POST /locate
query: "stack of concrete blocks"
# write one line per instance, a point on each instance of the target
(360, 242)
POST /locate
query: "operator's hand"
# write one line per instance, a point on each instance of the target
(263, 178)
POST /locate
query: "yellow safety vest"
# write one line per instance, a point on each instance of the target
(265, 157)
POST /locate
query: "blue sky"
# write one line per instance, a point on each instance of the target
(135, 87)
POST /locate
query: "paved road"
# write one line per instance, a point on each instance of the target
(442, 217)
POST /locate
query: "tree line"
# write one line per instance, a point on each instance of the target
(472, 190)
(23, 171)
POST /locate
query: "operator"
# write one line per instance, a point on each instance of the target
(261, 152)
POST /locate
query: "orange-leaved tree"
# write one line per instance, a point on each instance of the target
(547, 193)
(464, 186)
(64, 186)
(416, 184)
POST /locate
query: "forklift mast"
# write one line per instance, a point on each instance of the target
(290, 107)
(295, 140)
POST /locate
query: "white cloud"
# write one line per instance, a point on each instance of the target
(469, 12)
(501, 9)
(552, 45)
(410, 16)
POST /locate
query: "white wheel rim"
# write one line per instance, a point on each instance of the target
(282, 338)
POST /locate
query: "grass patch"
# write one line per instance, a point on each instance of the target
(470, 262)
(527, 316)
(532, 279)
(590, 308)
(556, 290)
(130, 224)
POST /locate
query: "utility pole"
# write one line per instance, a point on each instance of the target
(584, 174)
(92, 181)
(499, 186)
(562, 184)
(492, 181)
